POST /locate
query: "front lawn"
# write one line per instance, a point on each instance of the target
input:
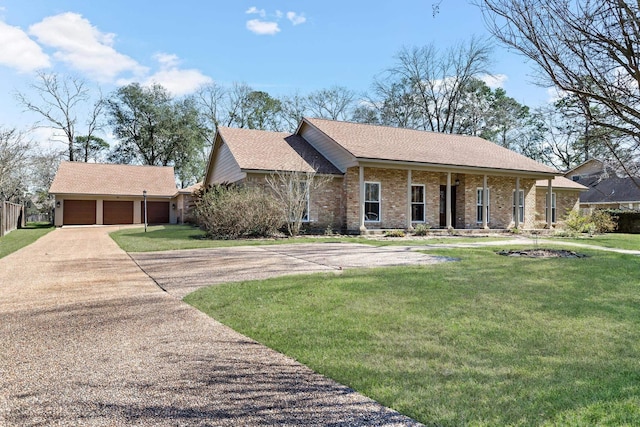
(611, 240)
(489, 340)
(173, 237)
(22, 237)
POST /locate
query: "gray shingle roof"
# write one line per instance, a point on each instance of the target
(114, 180)
(612, 190)
(365, 141)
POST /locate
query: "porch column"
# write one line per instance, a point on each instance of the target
(549, 207)
(409, 224)
(448, 199)
(361, 199)
(484, 203)
(516, 202)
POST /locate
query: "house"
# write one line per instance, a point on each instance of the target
(565, 198)
(385, 177)
(605, 189)
(93, 193)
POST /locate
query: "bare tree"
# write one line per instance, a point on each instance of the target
(43, 166)
(586, 48)
(14, 161)
(294, 108)
(426, 86)
(335, 103)
(61, 99)
(293, 191)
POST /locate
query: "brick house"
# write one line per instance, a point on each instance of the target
(393, 178)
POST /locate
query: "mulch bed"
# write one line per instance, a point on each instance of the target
(542, 253)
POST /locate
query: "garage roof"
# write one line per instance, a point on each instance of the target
(80, 178)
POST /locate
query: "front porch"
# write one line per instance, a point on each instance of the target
(442, 200)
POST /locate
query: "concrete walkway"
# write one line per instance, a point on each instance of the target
(526, 241)
(89, 339)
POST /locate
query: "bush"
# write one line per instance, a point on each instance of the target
(394, 233)
(628, 221)
(229, 212)
(421, 230)
(596, 222)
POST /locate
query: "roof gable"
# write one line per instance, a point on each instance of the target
(270, 151)
(113, 180)
(373, 142)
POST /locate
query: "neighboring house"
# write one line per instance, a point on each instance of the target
(605, 190)
(93, 193)
(385, 177)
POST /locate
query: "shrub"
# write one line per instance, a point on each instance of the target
(603, 221)
(394, 233)
(596, 222)
(228, 212)
(421, 230)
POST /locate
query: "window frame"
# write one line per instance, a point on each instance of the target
(367, 201)
(479, 210)
(554, 207)
(521, 207)
(423, 203)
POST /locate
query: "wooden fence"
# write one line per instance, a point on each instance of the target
(11, 217)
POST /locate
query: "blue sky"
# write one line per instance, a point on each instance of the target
(279, 46)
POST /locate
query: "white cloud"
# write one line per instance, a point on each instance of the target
(494, 81)
(177, 81)
(295, 18)
(19, 51)
(254, 10)
(83, 47)
(263, 27)
(167, 59)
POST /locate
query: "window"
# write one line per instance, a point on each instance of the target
(520, 205)
(304, 190)
(372, 201)
(417, 203)
(479, 204)
(553, 207)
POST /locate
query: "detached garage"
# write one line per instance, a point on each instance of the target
(109, 194)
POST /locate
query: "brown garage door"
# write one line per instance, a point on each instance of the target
(79, 212)
(117, 212)
(158, 212)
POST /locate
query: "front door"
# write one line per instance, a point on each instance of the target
(443, 206)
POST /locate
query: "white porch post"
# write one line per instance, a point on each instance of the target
(516, 201)
(361, 199)
(549, 202)
(485, 220)
(448, 199)
(409, 224)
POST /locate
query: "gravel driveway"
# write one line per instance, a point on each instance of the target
(88, 339)
(182, 272)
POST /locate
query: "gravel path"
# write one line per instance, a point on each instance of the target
(88, 339)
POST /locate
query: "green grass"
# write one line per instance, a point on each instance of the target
(22, 237)
(488, 340)
(174, 237)
(611, 240)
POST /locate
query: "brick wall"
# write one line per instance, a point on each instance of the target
(393, 185)
(326, 203)
(566, 201)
